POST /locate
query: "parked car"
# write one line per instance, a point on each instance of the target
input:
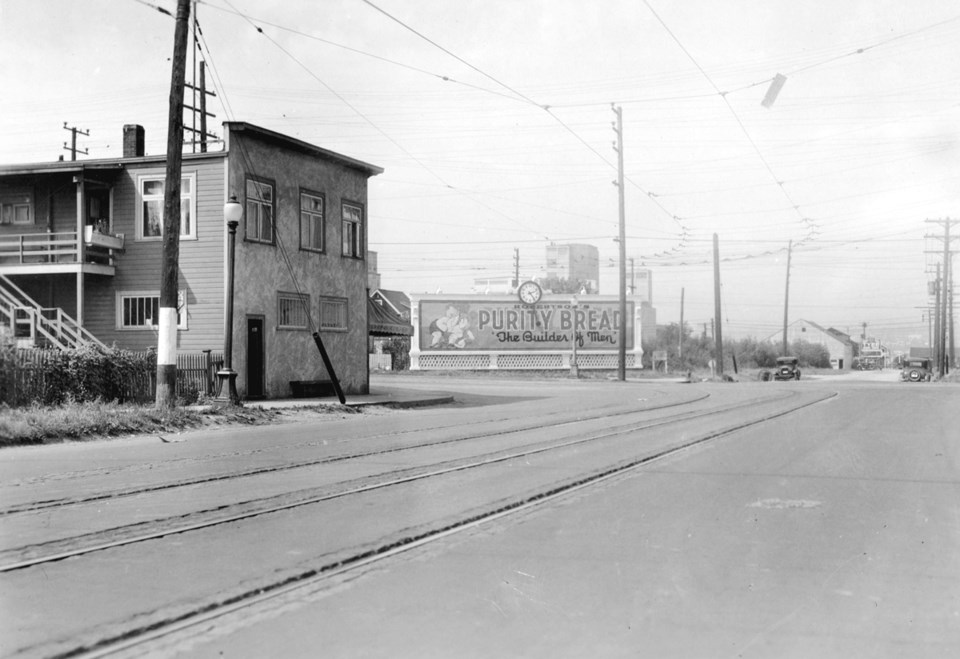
(788, 368)
(916, 369)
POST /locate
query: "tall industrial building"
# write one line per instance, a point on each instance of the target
(574, 262)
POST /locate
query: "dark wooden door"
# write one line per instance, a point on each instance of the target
(255, 362)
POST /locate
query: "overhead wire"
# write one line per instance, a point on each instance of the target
(523, 97)
(652, 196)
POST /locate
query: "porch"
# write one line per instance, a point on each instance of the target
(93, 252)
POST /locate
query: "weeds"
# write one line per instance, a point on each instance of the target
(43, 424)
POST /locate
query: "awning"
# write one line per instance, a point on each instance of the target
(383, 322)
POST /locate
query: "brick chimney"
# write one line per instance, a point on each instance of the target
(133, 138)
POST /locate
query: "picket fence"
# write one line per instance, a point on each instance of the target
(31, 377)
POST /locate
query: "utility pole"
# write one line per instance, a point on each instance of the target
(936, 319)
(633, 277)
(952, 362)
(618, 147)
(786, 300)
(944, 289)
(680, 347)
(718, 327)
(199, 136)
(74, 131)
(170, 259)
(944, 362)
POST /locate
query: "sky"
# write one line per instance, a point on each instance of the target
(493, 121)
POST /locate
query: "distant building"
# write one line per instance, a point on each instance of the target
(640, 280)
(373, 276)
(574, 263)
(493, 285)
(840, 346)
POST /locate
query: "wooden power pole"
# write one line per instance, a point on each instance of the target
(786, 301)
(680, 343)
(618, 146)
(717, 330)
(170, 259)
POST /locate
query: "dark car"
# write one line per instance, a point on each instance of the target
(916, 370)
(787, 369)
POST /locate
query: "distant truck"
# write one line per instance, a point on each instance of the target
(788, 368)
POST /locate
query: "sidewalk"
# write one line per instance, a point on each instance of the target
(379, 395)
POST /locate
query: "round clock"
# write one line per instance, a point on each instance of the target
(529, 292)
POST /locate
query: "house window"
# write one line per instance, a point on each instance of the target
(333, 314)
(260, 211)
(150, 189)
(16, 208)
(142, 310)
(311, 222)
(352, 230)
(293, 311)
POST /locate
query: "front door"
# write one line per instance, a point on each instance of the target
(255, 362)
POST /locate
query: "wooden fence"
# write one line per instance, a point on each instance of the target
(47, 375)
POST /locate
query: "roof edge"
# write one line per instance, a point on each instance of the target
(273, 136)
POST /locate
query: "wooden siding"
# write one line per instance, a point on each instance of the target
(138, 267)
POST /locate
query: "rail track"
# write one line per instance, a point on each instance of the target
(571, 433)
(602, 413)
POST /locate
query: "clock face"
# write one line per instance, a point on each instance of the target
(529, 292)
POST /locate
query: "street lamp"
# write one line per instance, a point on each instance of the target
(226, 376)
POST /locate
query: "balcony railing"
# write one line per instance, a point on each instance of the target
(59, 247)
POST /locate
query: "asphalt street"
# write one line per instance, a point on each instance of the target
(804, 519)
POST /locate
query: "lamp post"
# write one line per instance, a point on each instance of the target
(226, 376)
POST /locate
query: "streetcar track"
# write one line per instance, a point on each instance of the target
(315, 577)
(35, 506)
(72, 475)
(29, 553)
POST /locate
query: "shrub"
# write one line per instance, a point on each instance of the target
(88, 373)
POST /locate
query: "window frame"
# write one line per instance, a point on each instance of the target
(191, 198)
(259, 204)
(342, 303)
(358, 242)
(302, 302)
(311, 213)
(14, 199)
(124, 295)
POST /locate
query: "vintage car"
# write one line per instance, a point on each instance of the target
(916, 369)
(787, 369)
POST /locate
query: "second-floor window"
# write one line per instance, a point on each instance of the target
(259, 211)
(16, 208)
(150, 189)
(311, 222)
(352, 230)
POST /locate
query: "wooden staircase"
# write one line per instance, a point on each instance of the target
(38, 326)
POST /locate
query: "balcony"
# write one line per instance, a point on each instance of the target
(59, 252)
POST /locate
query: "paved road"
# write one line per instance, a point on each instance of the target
(756, 520)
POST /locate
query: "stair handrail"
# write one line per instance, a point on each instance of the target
(19, 299)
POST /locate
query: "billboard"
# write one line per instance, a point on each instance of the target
(480, 323)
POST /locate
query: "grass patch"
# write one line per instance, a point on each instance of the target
(43, 424)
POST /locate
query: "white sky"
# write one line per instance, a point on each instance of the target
(863, 144)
